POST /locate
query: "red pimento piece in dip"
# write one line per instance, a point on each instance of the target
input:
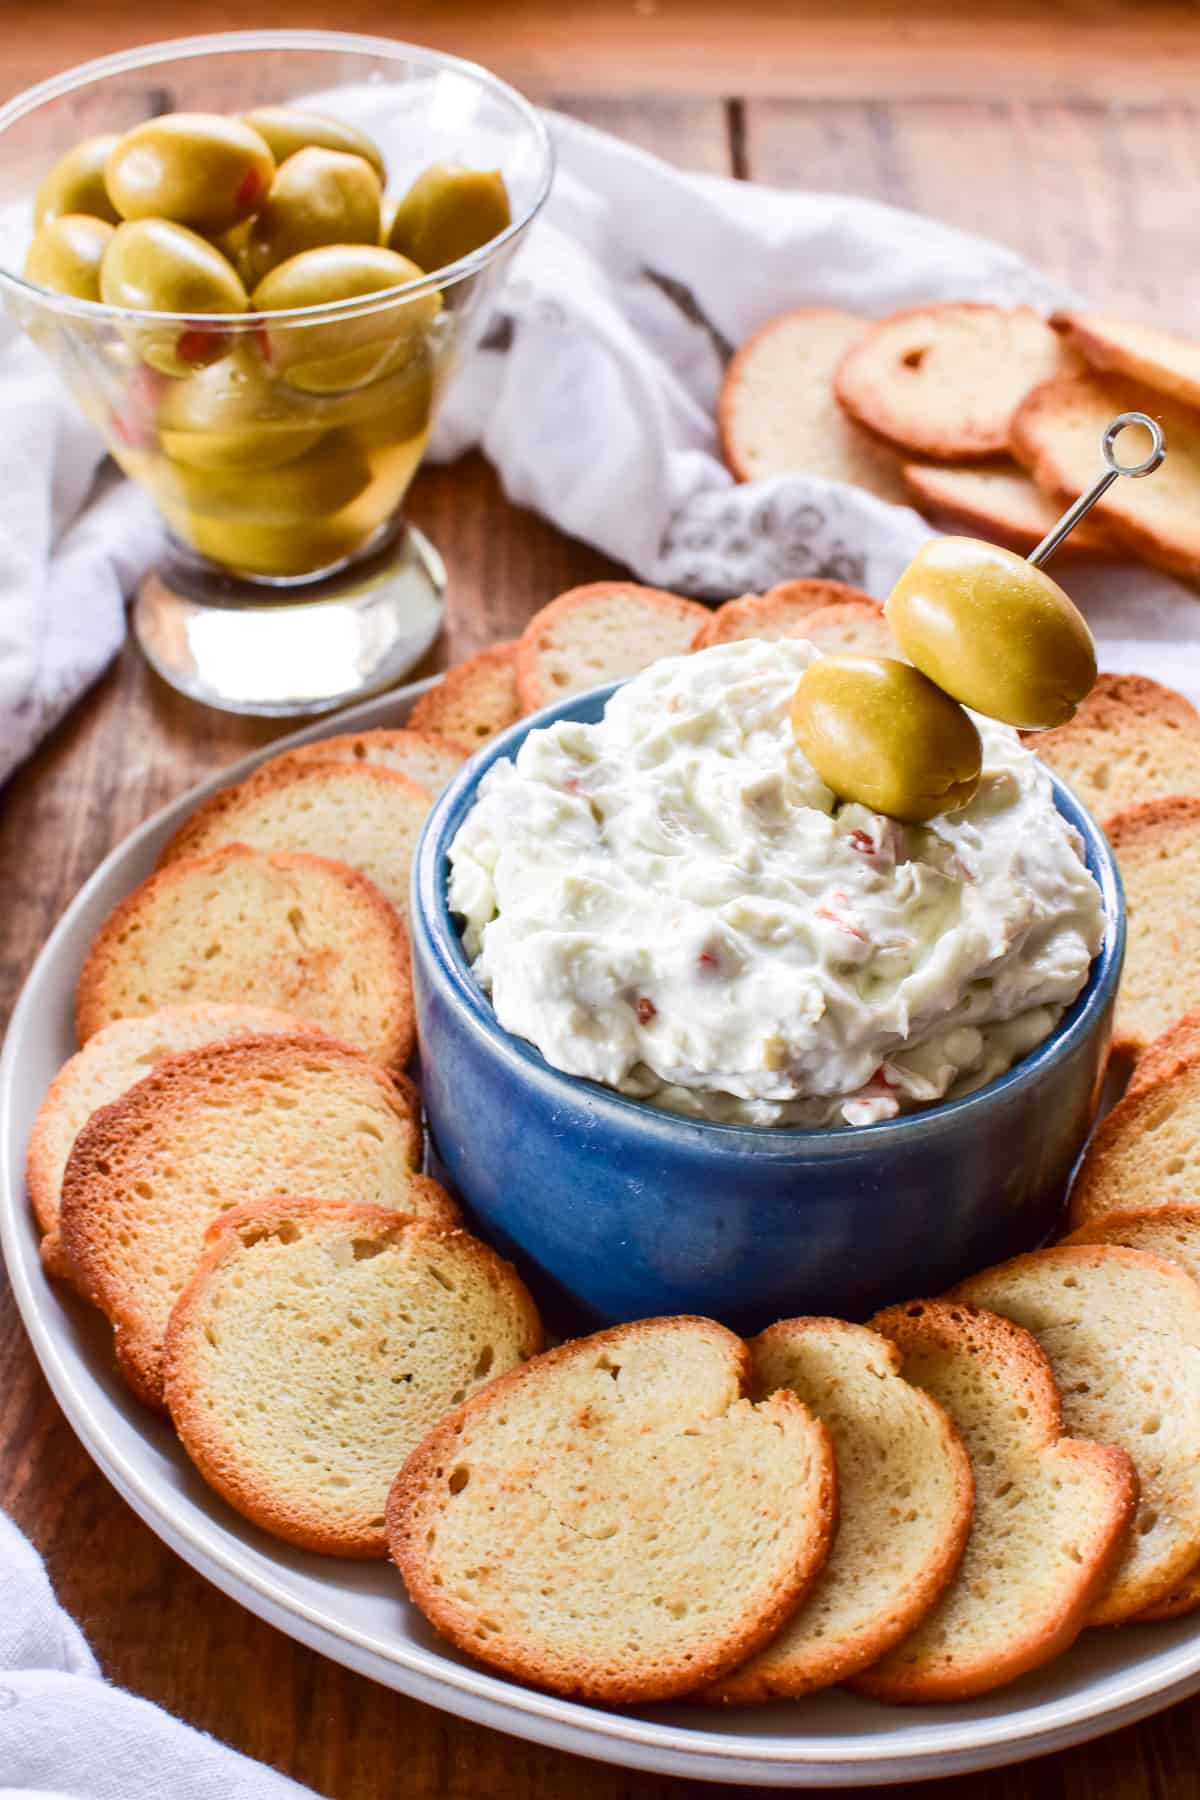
(840, 920)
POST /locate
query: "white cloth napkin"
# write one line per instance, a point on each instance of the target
(65, 1734)
(593, 394)
(74, 542)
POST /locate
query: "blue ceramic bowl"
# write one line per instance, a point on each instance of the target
(621, 1210)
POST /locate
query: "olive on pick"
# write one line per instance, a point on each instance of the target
(331, 356)
(66, 254)
(197, 169)
(449, 211)
(879, 732)
(76, 183)
(152, 265)
(993, 631)
(318, 197)
(287, 129)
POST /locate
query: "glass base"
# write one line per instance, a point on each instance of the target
(278, 649)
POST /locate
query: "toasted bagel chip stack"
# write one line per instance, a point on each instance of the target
(783, 611)
(315, 1345)
(296, 933)
(616, 1520)
(1170, 1052)
(1163, 360)
(905, 1504)
(360, 814)
(1121, 1331)
(474, 701)
(944, 381)
(1056, 434)
(209, 1130)
(1158, 850)
(1131, 740)
(1051, 1512)
(998, 501)
(431, 761)
(112, 1061)
(777, 414)
(602, 632)
(852, 628)
(1172, 1232)
(1146, 1152)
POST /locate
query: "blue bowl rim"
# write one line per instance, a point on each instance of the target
(432, 922)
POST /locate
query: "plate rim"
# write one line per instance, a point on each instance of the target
(214, 1550)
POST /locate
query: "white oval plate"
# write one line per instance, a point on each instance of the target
(357, 1613)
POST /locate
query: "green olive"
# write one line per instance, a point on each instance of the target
(449, 211)
(879, 732)
(233, 245)
(66, 255)
(335, 355)
(152, 265)
(76, 183)
(995, 632)
(257, 549)
(317, 197)
(393, 466)
(262, 446)
(232, 415)
(320, 482)
(237, 391)
(390, 410)
(286, 129)
(197, 169)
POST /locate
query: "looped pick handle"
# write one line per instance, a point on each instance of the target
(1113, 471)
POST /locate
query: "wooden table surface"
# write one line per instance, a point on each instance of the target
(1071, 132)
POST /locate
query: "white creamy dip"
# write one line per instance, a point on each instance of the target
(672, 903)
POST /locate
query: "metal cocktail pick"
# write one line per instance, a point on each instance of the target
(1085, 502)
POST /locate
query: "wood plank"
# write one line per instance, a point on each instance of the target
(691, 132)
(1102, 197)
(503, 561)
(860, 49)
